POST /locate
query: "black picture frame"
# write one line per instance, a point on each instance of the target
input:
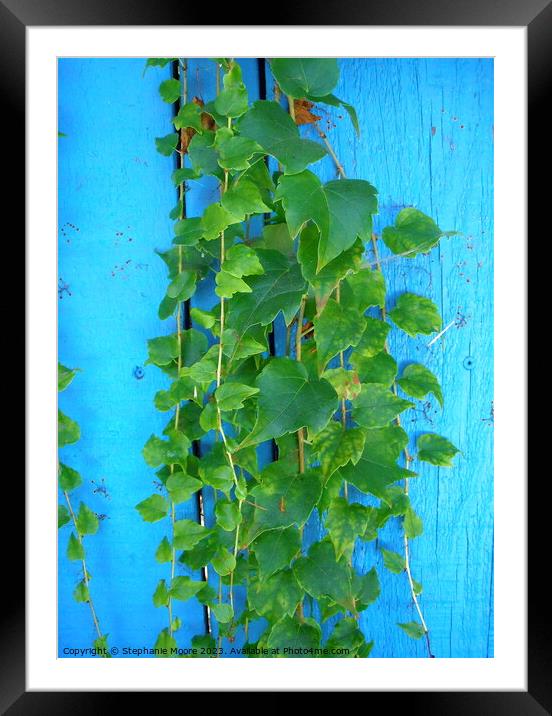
(536, 15)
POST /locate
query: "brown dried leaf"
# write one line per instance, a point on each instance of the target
(303, 114)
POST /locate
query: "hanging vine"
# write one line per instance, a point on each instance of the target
(331, 405)
(84, 522)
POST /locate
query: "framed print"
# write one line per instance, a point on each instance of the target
(290, 413)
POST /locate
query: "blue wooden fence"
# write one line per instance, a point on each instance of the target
(427, 133)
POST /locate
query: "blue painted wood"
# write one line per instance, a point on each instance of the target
(426, 142)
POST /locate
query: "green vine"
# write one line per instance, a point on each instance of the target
(331, 405)
(85, 521)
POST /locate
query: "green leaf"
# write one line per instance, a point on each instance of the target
(305, 77)
(281, 500)
(167, 452)
(345, 522)
(280, 288)
(157, 62)
(346, 383)
(162, 350)
(368, 288)
(372, 341)
(153, 509)
(204, 156)
(170, 91)
(417, 380)
(203, 318)
(416, 314)
(228, 285)
(302, 402)
(188, 533)
(292, 638)
(87, 521)
(242, 199)
(184, 588)
(81, 593)
(165, 644)
(69, 479)
(215, 220)
(322, 575)
(161, 594)
(201, 554)
(232, 101)
(241, 260)
(163, 554)
(276, 596)
(412, 524)
(182, 486)
(341, 209)
(393, 561)
(436, 450)
(65, 376)
(366, 588)
(188, 231)
(414, 233)
(227, 514)
(235, 153)
(336, 329)
(346, 639)
(268, 124)
(183, 174)
(166, 145)
(413, 629)
(223, 562)
(376, 406)
(335, 447)
(275, 550)
(382, 369)
(189, 116)
(182, 287)
(63, 516)
(75, 550)
(223, 613)
(336, 102)
(68, 430)
(377, 467)
(230, 396)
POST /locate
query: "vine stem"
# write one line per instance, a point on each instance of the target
(408, 460)
(83, 562)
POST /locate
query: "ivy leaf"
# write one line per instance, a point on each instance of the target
(368, 288)
(153, 508)
(336, 329)
(235, 153)
(203, 318)
(335, 447)
(277, 238)
(412, 524)
(163, 554)
(346, 383)
(276, 596)
(157, 62)
(436, 450)
(215, 220)
(376, 406)
(184, 588)
(232, 100)
(241, 260)
(302, 402)
(244, 198)
(268, 124)
(160, 597)
(381, 368)
(393, 561)
(189, 116)
(68, 430)
(281, 500)
(322, 575)
(63, 516)
(377, 467)
(69, 479)
(275, 549)
(170, 91)
(341, 209)
(372, 341)
(87, 521)
(366, 588)
(228, 285)
(182, 486)
(228, 514)
(188, 533)
(223, 562)
(201, 554)
(188, 231)
(165, 644)
(305, 77)
(279, 288)
(293, 638)
(345, 522)
(417, 380)
(81, 593)
(203, 155)
(162, 350)
(182, 174)
(345, 640)
(416, 314)
(166, 145)
(223, 613)
(414, 233)
(65, 376)
(75, 550)
(182, 287)
(167, 452)
(413, 629)
(230, 396)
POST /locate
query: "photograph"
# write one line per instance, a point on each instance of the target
(275, 317)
